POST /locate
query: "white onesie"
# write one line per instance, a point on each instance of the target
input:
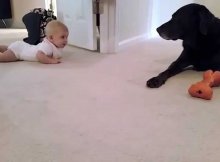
(27, 52)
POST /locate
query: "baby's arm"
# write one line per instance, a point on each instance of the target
(3, 48)
(44, 59)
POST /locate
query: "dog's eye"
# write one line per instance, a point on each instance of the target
(174, 18)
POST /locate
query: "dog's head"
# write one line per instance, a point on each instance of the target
(189, 20)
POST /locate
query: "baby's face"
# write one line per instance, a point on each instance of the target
(59, 39)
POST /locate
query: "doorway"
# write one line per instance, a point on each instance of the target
(51, 5)
(87, 30)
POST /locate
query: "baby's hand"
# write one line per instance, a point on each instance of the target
(55, 61)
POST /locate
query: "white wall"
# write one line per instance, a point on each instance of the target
(133, 19)
(20, 8)
(139, 18)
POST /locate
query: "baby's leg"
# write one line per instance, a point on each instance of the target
(3, 48)
(8, 56)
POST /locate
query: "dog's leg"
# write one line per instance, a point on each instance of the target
(176, 67)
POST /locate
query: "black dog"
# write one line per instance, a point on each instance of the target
(200, 31)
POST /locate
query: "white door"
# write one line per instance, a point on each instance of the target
(79, 18)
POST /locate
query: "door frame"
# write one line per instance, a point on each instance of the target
(109, 27)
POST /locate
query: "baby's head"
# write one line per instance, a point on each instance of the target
(57, 33)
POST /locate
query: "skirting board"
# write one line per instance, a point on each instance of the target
(132, 41)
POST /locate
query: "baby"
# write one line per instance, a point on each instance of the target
(47, 52)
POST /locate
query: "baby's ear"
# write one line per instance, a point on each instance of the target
(50, 37)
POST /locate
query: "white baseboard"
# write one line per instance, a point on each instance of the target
(132, 41)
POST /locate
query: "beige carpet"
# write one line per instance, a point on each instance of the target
(96, 108)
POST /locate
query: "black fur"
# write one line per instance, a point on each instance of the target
(200, 31)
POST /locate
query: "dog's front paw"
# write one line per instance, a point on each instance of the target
(155, 82)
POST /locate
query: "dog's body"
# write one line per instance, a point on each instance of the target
(200, 31)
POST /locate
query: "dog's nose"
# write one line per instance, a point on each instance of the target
(159, 29)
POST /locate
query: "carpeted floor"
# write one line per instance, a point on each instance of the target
(96, 108)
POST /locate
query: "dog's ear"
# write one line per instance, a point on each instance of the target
(205, 18)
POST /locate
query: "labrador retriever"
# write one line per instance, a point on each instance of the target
(199, 31)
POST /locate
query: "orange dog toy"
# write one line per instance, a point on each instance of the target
(203, 89)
